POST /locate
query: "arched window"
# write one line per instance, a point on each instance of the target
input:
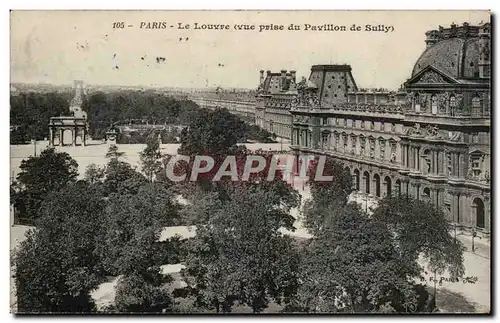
(434, 104)
(366, 180)
(388, 186)
(398, 188)
(325, 138)
(476, 107)
(376, 179)
(453, 105)
(356, 180)
(426, 194)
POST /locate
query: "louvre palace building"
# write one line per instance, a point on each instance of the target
(429, 140)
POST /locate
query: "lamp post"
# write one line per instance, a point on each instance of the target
(33, 141)
(366, 202)
(474, 234)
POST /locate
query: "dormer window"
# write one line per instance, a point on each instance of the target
(476, 165)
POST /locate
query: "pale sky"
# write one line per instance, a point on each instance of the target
(60, 46)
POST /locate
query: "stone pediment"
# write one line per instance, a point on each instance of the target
(431, 75)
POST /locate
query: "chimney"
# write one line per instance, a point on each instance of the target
(293, 74)
(283, 79)
(261, 77)
(432, 37)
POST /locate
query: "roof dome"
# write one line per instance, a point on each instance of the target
(456, 57)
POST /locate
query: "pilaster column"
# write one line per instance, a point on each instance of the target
(51, 136)
(61, 137)
(417, 152)
(456, 213)
(410, 156)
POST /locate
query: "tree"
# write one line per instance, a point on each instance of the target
(114, 153)
(352, 266)
(240, 255)
(135, 294)
(57, 266)
(419, 228)
(30, 114)
(327, 196)
(370, 264)
(121, 178)
(131, 248)
(133, 226)
(151, 158)
(94, 173)
(50, 171)
(214, 132)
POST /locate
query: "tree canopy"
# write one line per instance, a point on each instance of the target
(240, 257)
(50, 171)
(57, 266)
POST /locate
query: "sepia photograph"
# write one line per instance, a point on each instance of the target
(250, 162)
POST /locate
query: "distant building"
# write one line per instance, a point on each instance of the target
(274, 95)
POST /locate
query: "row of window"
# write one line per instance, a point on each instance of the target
(362, 124)
(476, 105)
(350, 144)
(279, 118)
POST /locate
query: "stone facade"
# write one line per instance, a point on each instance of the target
(430, 139)
(275, 95)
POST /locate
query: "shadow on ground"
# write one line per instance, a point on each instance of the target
(453, 302)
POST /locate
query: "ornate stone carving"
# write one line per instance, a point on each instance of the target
(382, 149)
(372, 148)
(415, 131)
(442, 99)
(307, 95)
(431, 77)
(432, 131)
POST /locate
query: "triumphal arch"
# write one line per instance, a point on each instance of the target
(71, 129)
